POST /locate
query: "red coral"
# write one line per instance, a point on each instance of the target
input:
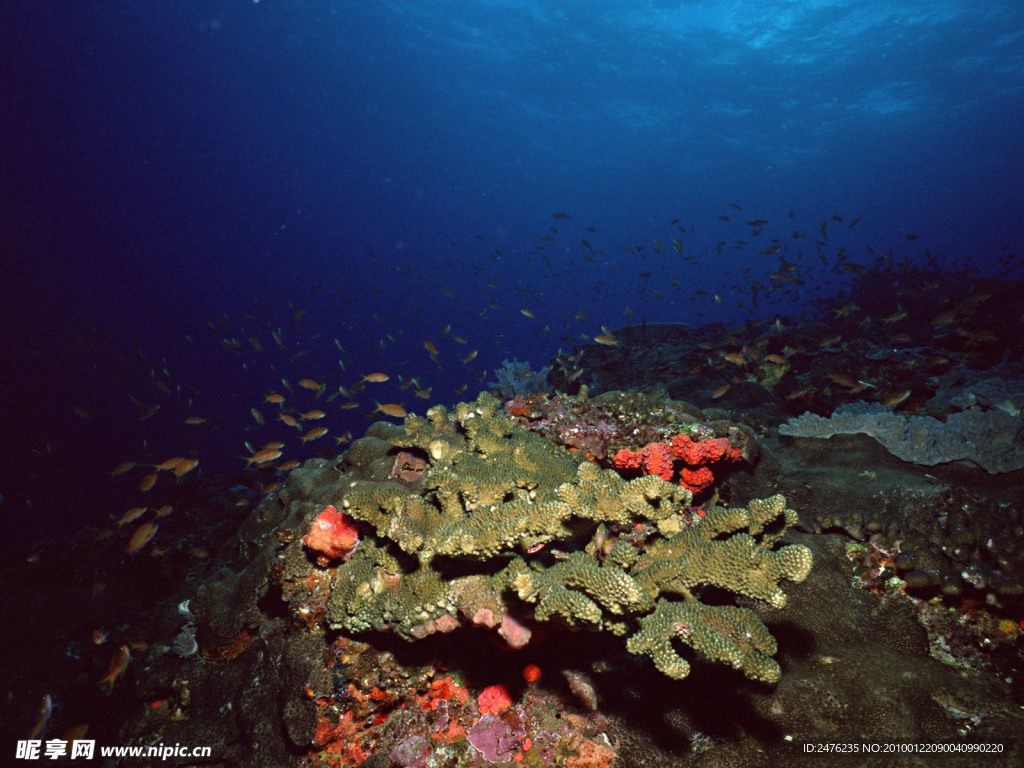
(657, 458)
(627, 459)
(658, 461)
(697, 454)
(334, 536)
(696, 479)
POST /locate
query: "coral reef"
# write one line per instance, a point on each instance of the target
(505, 530)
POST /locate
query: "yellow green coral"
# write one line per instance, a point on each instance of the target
(504, 516)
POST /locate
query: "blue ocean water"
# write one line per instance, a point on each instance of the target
(180, 181)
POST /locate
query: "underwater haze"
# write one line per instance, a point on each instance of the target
(205, 203)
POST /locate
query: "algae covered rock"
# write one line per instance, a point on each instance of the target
(504, 526)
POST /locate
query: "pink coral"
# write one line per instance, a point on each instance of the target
(334, 536)
(409, 466)
(514, 632)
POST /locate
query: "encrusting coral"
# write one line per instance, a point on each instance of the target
(504, 529)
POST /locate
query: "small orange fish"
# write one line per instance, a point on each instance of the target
(263, 456)
(799, 393)
(131, 516)
(194, 420)
(841, 379)
(38, 729)
(736, 358)
(828, 341)
(312, 415)
(390, 409)
(274, 398)
(344, 438)
(142, 536)
(169, 464)
(291, 421)
(164, 511)
(272, 445)
(148, 482)
(149, 412)
(527, 313)
(892, 399)
(289, 465)
(895, 317)
(423, 394)
(376, 378)
(607, 339)
(120, 469)
(845, 310)
(311, 384)
(720, 391)
(99, 636)
(776, 359)
(431, 349)
(118, 664)
(313, 434)
(184, 467)
(470, 357)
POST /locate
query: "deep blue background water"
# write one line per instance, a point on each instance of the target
(174, 175)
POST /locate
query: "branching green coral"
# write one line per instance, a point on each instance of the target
(503, 515)
(743, 563)
(721, 633)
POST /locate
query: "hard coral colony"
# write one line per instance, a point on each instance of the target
(501, 528)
